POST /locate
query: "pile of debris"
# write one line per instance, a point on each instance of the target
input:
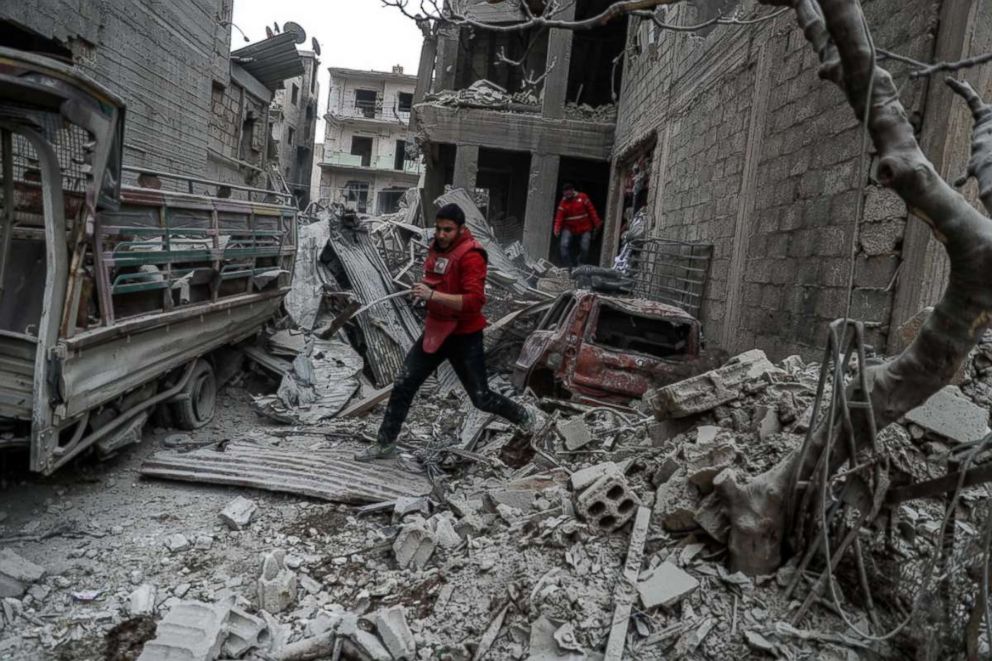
(487, 95)
(600, 536)
(584, 112)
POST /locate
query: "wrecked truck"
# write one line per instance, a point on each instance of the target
(607, 348)
(114, 299)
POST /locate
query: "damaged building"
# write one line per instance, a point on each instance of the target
(368, 158)
(293, 123)
(518, 132)
(733, 142)
(194, 106)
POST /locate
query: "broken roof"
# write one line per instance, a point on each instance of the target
(271, 60)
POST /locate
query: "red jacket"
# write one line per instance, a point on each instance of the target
(461, 269)
(577, 215)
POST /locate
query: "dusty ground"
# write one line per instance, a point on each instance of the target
(114, 525)
(100, 529)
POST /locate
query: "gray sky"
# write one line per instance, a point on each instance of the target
(356, 34)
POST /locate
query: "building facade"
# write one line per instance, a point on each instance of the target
(738, 144)
(194, 107)
(293, 118)
(367, 164)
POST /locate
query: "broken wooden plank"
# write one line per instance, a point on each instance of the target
(492, 632)
(363, 406)
(627, 586)
(326, 474)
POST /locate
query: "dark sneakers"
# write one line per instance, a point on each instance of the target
(377, 452)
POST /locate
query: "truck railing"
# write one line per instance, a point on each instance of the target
(186, 184)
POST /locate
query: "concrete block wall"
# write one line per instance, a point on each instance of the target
(160, 57)
(759, 157)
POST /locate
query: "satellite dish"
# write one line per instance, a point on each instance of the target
(275, 27)
(316, 45)
(295, 29)
(268, 32)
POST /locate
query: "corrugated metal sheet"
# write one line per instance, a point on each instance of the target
(389, 329)
(326, 474)
(272, 60)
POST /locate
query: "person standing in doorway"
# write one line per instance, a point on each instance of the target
(454, 288)
(576, 219)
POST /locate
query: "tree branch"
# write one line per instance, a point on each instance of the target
(980, 165)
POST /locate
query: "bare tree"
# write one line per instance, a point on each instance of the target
(763, 513)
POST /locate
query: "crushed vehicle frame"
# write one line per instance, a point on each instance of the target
(113, 298)
(607, 348)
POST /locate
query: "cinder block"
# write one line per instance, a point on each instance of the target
(608, 504)
(191, 631)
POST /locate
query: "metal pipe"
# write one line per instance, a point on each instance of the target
(67, 453)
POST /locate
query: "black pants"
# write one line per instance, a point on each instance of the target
(468, 358)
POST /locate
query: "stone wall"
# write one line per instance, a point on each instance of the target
(757, 156)
(160, 57)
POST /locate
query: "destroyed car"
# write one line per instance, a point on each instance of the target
(608, 348)
(113, 298)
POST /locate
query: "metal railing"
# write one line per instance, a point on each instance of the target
(377, 163)
(368, 112)
(671, 272)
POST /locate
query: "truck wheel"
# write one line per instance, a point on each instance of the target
(194, 406)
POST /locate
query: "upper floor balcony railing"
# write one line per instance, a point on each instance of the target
(377, 163)
(363, 111)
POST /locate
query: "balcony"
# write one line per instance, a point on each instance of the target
(381, 163)
(370, 113)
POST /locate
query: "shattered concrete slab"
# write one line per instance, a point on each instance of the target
(17, 574)
(239, 513)
(952, 416)
(666, 586)
(395, 633)
(707, 391)
(576, 433)
(583, 478)
(326, 474)
(190, 631)
(142, 600)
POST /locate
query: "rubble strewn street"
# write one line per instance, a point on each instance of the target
(581, 330)
(513, 547)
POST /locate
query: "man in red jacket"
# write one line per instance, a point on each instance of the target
(454, 287)
(576, 219)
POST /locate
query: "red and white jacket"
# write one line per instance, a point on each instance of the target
(577, 214)
(461, 269)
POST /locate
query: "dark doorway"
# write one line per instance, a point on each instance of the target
(593, 179)
(362, 147)
(505, 175)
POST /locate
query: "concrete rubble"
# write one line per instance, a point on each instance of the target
(17, 574)
(601, 537)
(238, 513)
(277, 584)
